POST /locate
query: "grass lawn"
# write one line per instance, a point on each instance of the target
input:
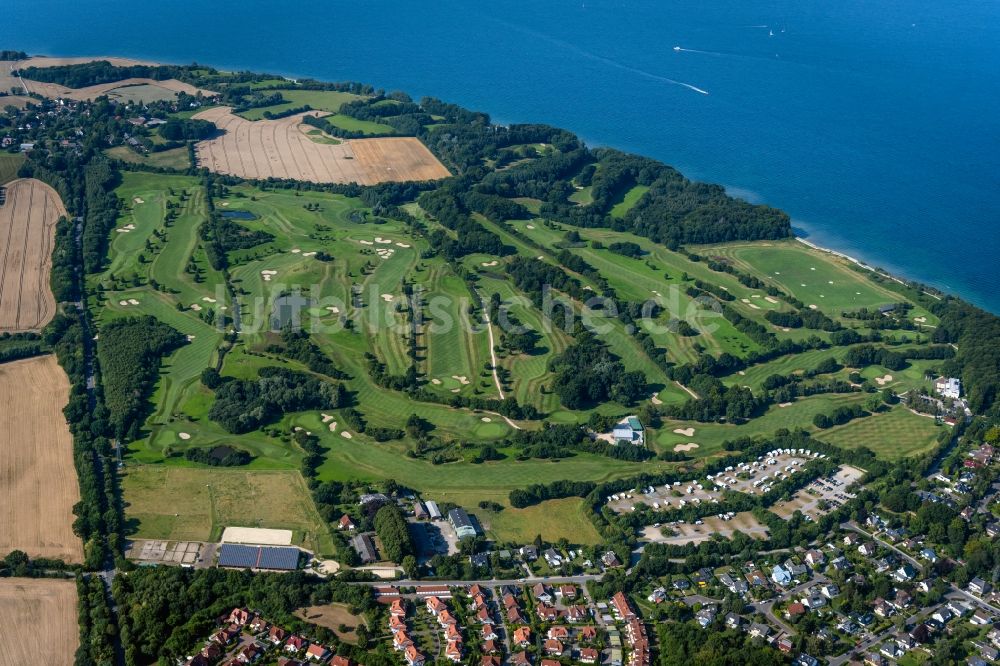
(332, 616)
(554, 520)
(895, 434)
(175, 158)
(9, 164)
(319, 100)
(179, 504)
(462, 482)
(630, 199)
(710, 436)
(814, 277)
(354, 125)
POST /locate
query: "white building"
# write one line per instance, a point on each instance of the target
(949, 387)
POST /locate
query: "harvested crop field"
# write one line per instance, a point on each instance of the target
(39, 486)
(278, 149)
(37, 621)
(27, 231)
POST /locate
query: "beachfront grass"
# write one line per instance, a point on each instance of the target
(318, 100)
(814, 277)
(181, 504)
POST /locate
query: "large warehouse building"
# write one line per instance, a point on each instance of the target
(258, 558)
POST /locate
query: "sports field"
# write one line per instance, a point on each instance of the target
(38, 621)
(184, 504)
(27, 231)
(36, 461)
(278, 149)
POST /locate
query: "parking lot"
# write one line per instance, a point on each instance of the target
(753, 478)
(832, 490)
(694, 533)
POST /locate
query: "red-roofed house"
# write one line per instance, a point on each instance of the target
(413, 656)
(277, 635)
(296, 643)
(553, 647)
(453, 651)
(239, 616)
(340, 661)
(488, 632)
(589, 655)
(435, 605)
(317, 652)
(588, 633)
(345, 523)
(522, 636)
(397, 608)
(558, 633)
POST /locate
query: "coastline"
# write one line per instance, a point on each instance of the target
(860, 264)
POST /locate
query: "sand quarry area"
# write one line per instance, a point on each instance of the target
(38, 623)
(27, 233)
(277, 149)
(39, 485)
(54, 90)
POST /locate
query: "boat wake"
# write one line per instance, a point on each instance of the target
(597, 58)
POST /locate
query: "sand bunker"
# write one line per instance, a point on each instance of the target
(345, 434)
(813, 306)
(462, 379)
(656, 401)
(784, 404)
(364, 242)
(333, 309)
(122, 302)
(183, 435)
(681, 448)
(745, 300)
(770, 300)
(383, 241)
(308, 254)
(402, 245)
(208, 299)
(436, 381)
(486, 419)
(882, 381)
(920, 320)
(687, 432)
(326, 418)
(491, 263)
(196, 307)
(295, 250)
(333, 426)
(388, 298)
(530, 226)
(267, 275)
(138, 200)
(755, 307)
(190, 338)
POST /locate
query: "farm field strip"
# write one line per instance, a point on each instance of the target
(38, 621)
(27, 233)
(36, 461)
(278, 149)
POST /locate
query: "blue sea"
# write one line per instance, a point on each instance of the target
(875, 124)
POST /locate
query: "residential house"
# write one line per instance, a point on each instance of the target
(553, 647)
(815, 558)
(488, 632)
(345, 523)
(657, 596)
(978, 586)
(296, 644)
(414, 657)
(317, 652)
(522, 637)
(629, 430)
(541, 593)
